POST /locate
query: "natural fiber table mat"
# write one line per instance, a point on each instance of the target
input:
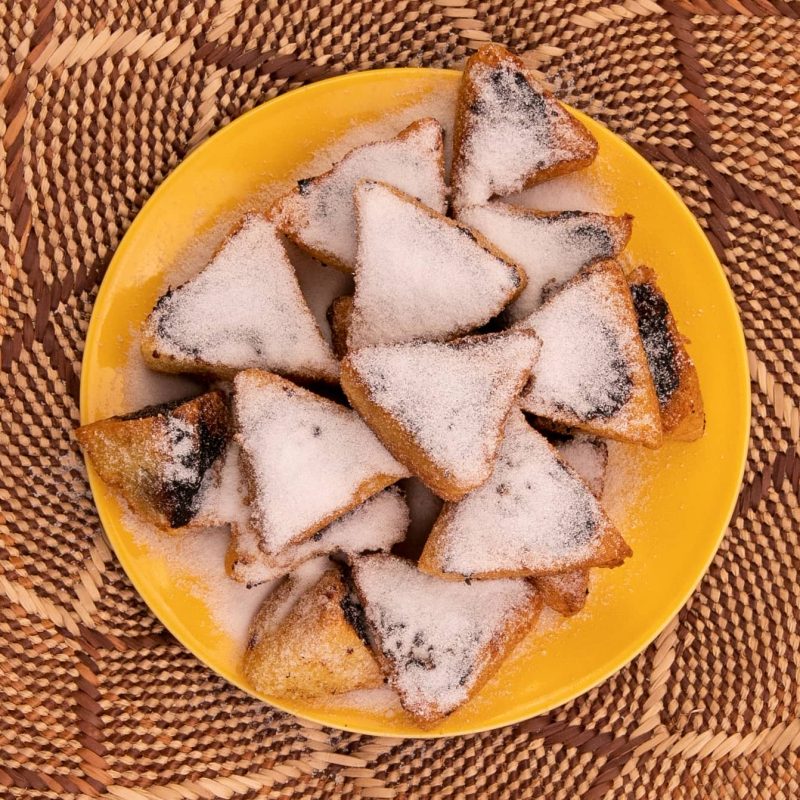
(101, 99)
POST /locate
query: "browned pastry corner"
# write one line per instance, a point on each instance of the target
(674, 373)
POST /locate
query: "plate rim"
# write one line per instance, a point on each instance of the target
(93, 334)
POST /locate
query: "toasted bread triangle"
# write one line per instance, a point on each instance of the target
(306, 641)
(439, 407)
(420, 275)
(319, 214)
(674, 373)
(158, 457)
(244, 310)
(307, 460)
(510, 132)
(372, 527)
(533, 517)
(439, 641)
(551, 247)
(593, 373)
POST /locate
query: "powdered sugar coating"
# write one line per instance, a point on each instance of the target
(542, 517)
(223, 494)
(451, 397)
(436, 634)
(588, 457)
(590, 364)
(511, 131)
(372, 527)
(419, 276)
(243, 310)
(551, 249)
(308, 458)
(320, 215)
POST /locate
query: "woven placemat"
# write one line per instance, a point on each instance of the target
(101, 99)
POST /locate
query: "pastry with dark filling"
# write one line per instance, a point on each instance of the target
(551, 247)
(510, 131)
(308, 639)
(160, 458)
(592, 372)
(439, 641)
(244, 310)
(674, 373)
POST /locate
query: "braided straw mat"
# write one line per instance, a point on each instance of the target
(101, 99)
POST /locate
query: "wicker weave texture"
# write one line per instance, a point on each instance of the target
(101, 99)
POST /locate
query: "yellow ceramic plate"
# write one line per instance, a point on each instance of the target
(680, 498)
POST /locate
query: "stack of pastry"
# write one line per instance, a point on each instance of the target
(488, 354)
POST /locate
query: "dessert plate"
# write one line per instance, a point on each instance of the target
(673, 504)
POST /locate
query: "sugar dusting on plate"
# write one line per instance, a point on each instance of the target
(197, 562)
(578, 191)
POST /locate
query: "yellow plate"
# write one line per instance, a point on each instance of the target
(684, 494)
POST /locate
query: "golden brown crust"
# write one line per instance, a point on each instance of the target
(401, 443)
(129, 453)
(475, 235)
(313, 650)
(365, 489)
(493, 55)
(643, 409)
(339, 315)
(565, 593)
(292, 227)
(682, 415)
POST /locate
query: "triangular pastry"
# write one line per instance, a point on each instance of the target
(372, 527)
(318, 214)
(420, 275)
(592, 373)
(308, 639)
(533, 517)
(307, 460)
(439, 641)
(510, 131)
(439, 407)
(244, 310)
(158, 458)
(551, 247)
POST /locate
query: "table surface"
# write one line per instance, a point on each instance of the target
(101, 100)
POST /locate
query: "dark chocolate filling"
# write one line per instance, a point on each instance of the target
(599, 236)
(652, 312)
(351, 606)
(606, 399)
(516, 95)
(180, 496)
